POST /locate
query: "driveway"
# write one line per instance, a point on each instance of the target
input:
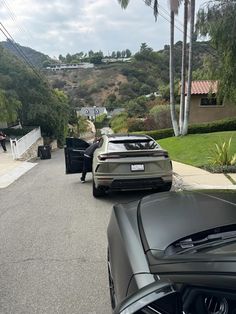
(53, 243)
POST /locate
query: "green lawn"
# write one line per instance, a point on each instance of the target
(194, 149)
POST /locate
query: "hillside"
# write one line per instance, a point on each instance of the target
(35, 57)
(113, 84)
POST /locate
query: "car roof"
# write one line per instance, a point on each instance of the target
(167, 217)
(126, 137)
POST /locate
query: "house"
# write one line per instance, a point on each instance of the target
(92, 112)
(115, 112)
(204, 106)
(70, 66)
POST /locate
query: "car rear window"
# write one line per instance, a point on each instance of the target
(115, 146)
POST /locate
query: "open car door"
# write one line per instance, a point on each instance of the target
(74, 154)
(160, 297)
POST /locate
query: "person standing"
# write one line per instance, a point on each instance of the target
(3, 141)
(88, 159)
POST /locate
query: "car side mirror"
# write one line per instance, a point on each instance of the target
(159, 297)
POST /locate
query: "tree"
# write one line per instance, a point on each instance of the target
(184, 112)
(128, 53)
(183, 69)
(217, 20)
(9, 107)
(191, 40)
(118, 54)
(96, 58)
(174, 4)
(90, 53)
(173, 10)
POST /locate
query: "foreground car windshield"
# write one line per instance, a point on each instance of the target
(131, 145)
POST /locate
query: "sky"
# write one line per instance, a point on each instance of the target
(58, 27)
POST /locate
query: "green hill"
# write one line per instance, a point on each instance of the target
(113, 84)
(35, 57)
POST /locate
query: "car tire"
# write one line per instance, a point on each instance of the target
(166, 187)
(97, 192)
(111, 284)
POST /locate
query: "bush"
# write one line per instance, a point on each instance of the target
(135, 124)
(158, 134)
(161, 115)
(216, 126)
(119, 122)
(222, 156)
(17, 132)
(220, 169)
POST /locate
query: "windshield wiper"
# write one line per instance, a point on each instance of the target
(189, 245)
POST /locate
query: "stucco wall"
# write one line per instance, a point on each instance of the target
(200, 114)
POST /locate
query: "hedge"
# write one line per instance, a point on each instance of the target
(208, 127)
(10, 132)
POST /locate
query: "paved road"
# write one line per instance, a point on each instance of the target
(53, 243)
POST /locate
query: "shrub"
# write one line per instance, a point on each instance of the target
(222, 155)
(119, 122)
(216, 126)
(135, 124)
(161, 115)
(17, 132)
(158, 134)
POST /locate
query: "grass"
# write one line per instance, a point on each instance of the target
(194, 149)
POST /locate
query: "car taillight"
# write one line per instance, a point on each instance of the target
(161, 154)
(108, 156)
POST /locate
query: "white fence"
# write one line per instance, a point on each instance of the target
(19, 147)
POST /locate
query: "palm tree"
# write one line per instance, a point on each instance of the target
(154, 3)
(174, 5)
(189, 84)
(183, 69)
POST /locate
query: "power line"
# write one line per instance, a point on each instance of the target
(20, 51)
(14, 18)
(168, 20)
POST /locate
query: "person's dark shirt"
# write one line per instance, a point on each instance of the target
(91, 149)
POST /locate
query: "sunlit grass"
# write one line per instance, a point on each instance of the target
(195, 149)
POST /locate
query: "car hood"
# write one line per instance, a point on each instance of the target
(167, 217)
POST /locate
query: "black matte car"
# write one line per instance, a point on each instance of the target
(174, 252)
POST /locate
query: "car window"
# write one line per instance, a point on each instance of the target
(100, 143)
(131, 145)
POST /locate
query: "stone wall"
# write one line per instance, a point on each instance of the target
(32, 152)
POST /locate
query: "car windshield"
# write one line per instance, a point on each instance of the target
(131, 145)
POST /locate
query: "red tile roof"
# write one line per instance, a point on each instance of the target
(203, 87)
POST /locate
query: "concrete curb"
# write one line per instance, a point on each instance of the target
(15, 173)
(180, 184)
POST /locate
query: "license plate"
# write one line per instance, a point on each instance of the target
(137, 167)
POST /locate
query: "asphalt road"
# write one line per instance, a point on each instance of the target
(53, 243)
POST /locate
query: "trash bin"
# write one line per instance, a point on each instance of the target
(44, 152)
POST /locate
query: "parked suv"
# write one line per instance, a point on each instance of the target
(123, 162)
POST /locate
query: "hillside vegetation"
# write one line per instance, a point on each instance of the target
(36, 58)
(113, 84)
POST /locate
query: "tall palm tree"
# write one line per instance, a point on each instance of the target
(154, 3)
(174, 6)
(183, 69)
(189, 84)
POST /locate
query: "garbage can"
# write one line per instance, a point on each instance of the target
(44, 152)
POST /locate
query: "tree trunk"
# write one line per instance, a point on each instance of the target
(171, 69)
(183, 70)
(188, 101)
